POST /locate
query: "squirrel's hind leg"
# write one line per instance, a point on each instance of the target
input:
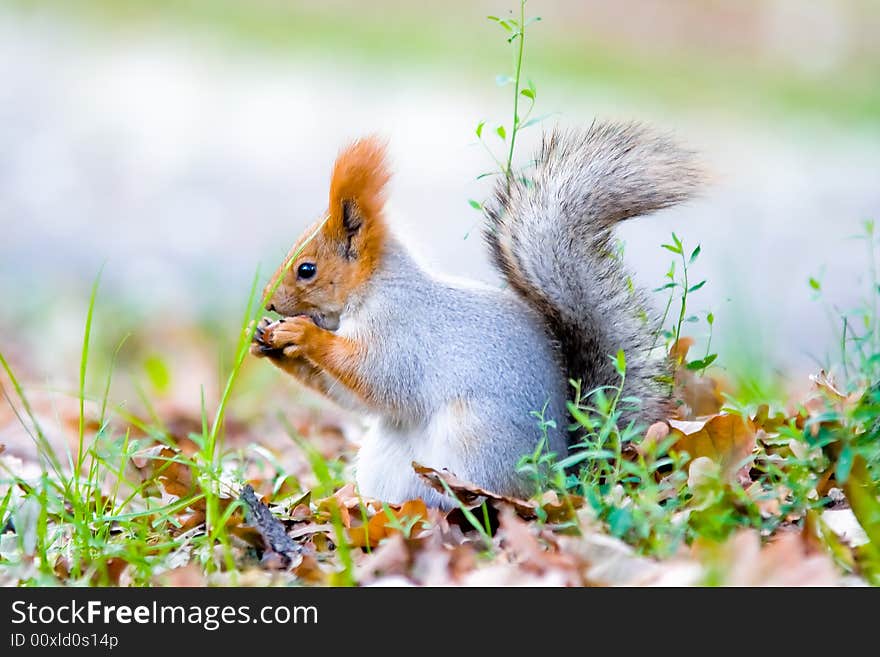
(384, 467)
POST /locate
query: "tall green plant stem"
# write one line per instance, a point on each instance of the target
(519, 57)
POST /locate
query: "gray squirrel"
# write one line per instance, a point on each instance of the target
(452, 371)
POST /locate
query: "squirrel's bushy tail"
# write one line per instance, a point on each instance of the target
(550, 235)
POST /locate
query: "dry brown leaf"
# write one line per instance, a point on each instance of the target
(115, 568)
(725, 439)
(517, 537)
(679, 350)
(560, 509)
(605, 560)
(165, 466)
(368, 534)
(825, 393)
(191, 521)
(766, 422)
(301, 513)
(785, 561)
(655, 434)
(310, 571)
(393, 557)
(697, 394)
(702, 471)
(769, 506)
(508, 574)
(380, 526)
(62, 568)
(347, 503)
(436, 563)
(190, 575)
(825, 383)
(311, 528)
(471, 495)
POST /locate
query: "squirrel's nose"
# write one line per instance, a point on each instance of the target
(270, 307)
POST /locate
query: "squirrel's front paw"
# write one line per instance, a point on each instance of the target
(287, 335)
(259, 347)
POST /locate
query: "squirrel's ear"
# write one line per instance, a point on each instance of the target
(357, 196)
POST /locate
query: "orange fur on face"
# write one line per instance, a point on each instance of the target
(348, 248)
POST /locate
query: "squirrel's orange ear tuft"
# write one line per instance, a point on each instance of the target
(357, 193)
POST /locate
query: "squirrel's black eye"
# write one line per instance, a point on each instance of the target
(306, 270)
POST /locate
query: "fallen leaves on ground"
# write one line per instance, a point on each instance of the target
(554, 507)
(726, 439)
(286, 527)
(695, 394)
(784, 561)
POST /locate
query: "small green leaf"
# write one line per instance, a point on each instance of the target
(816, 285)
(677, 242)
(694, 288)
(619, 521)
(844, 465)
(476, 205)
(670, 247)
(158, 373)
(533, 121)
(580, 417)
(668, 286)
(702, 363)
(480, 129)
(578, 457)
(501, 132)
(620, 362)
(528, 93)
(710, 318)
(694, 255)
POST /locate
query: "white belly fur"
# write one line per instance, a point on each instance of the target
(384, 462)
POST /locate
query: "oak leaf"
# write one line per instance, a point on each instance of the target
(726, 439)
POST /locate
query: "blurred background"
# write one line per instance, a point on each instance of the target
(180, 145)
